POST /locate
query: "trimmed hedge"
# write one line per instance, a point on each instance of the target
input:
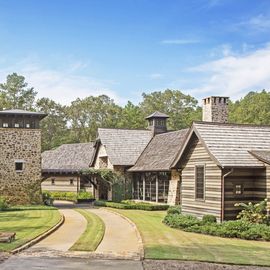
(68, 195)
(230, 229)
(132, 205)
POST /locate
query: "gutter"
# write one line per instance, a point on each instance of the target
(222, 193)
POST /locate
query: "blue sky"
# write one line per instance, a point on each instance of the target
(68, 49)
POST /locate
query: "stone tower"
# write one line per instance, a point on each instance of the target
(157, 122)
(20, 156)
(215, 109)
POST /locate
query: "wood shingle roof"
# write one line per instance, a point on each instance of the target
(124, 146)
(231, 145)
(68, 157)
(160, 152)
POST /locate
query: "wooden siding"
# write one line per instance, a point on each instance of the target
(99, 162)
(197, 155)
(253, 182)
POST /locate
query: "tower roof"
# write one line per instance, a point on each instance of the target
(157, 114)
(23, 112)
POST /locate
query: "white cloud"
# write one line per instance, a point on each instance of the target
(179, 41)
(258, 23)
(155, 76)
(234, 75)
(62, 85)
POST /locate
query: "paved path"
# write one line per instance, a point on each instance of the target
(120, 238)
(63, 238)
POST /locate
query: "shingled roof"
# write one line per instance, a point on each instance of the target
(124, 146)
(160, 152)
(230, 145)
(68, 158)
(262, 155)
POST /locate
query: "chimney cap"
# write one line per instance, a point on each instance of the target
(157, 114)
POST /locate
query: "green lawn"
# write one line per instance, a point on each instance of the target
(27, 222)
(163, 242)
(93, 234)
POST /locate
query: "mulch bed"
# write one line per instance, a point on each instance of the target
(182, 265)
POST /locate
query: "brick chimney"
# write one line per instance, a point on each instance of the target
(157, 122)
(215, 109)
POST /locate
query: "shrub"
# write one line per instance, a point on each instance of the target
(174, 210)
(46, 198)
(132, 205)
(181, 221)
(231, 229)
(254, 213)
(209, 219)
(84, 195)
(3, 203)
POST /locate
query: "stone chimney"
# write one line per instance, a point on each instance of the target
(215, 109)
(157, 122)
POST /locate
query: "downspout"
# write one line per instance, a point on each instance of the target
(222, 193)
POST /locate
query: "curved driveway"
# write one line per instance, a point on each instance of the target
(121, 237)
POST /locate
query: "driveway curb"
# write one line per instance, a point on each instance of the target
(40, 237)
(139, 237)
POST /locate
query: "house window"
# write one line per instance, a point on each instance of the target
(52, 181)
(238, 189)
(199, 182)
(19, 166)
(71, 182)
(5, 125)
(16, 125)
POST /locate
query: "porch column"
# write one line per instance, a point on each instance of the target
(157, 187)
(143, 187)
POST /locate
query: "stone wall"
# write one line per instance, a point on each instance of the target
(20, 145)
(215, 109)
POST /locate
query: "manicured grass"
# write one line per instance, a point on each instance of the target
(163, 242)
(27, 222)
(93, 234)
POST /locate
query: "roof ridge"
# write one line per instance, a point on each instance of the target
(126, 129)
(229, 124)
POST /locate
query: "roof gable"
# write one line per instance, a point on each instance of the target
(124, 146)
(229, 145)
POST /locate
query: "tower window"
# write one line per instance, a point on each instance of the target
(5, 125)
(19, 166)
(16, 125)
(27, 125)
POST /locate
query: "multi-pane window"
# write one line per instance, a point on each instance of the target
(238, 189)
(199, 182)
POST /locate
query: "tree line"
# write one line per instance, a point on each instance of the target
(79, 121)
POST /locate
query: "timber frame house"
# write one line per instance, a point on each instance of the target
(206, 169)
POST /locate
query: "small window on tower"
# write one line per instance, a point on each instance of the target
(19, 166)
(5, 125)
(16, 125)
(27, 125)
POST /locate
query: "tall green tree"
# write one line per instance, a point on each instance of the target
(131, 117)
(182, 109)
(15, 93)
(54, 126)
(87, 115)
(254, 108)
